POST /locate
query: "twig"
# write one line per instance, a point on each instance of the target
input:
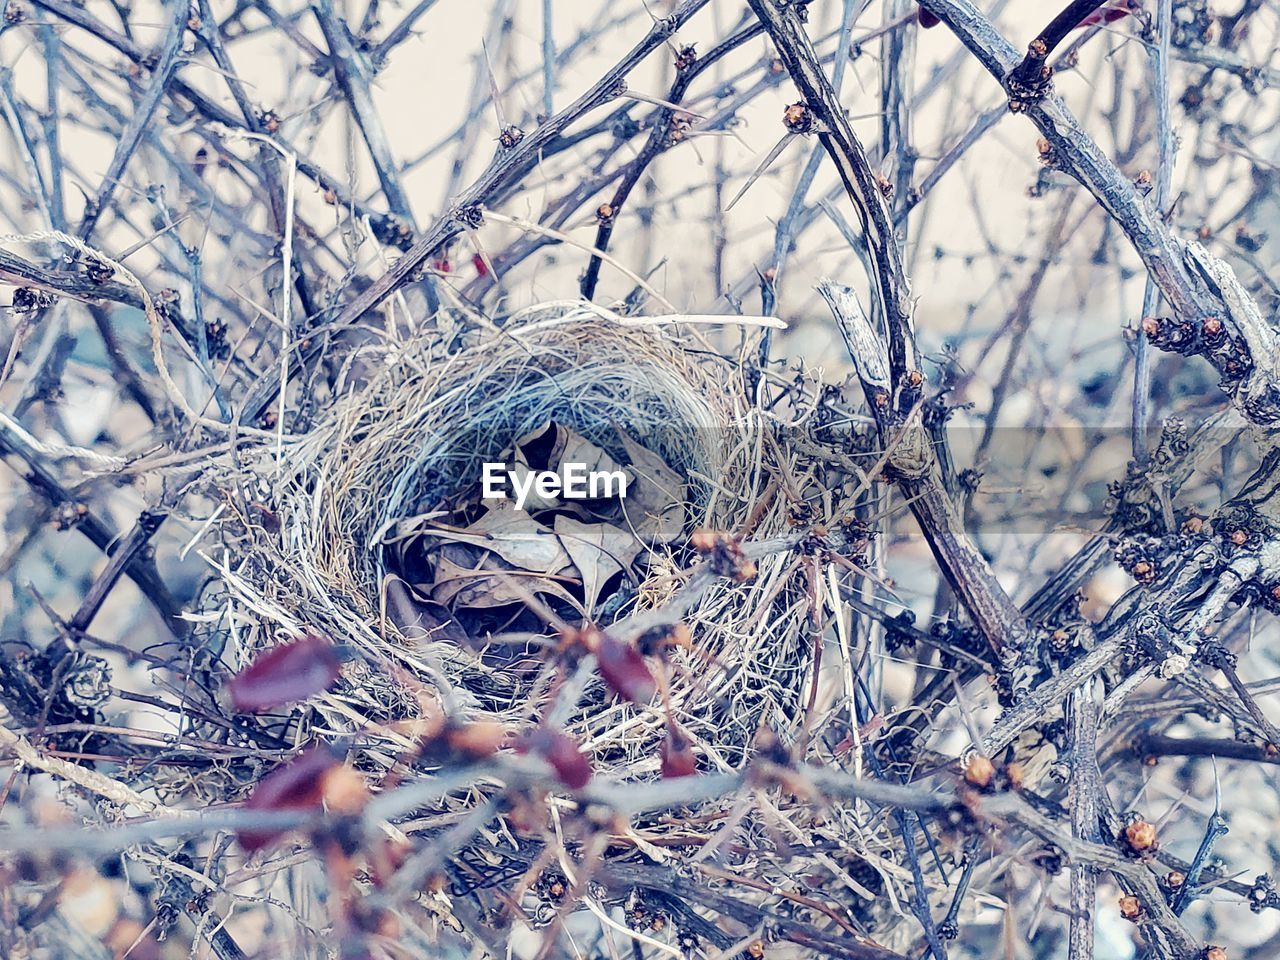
(161, 74)
(509, 163)
(401, 31)
(507, 166)
(121, 555)
(1214, 831)
(354, 80)
(1164, 175)
(1156, 911)
(81, 776)
(662, 136)
(1086, 784)
(140, 569)
(1155, 745)
(1030, 78)
(893, 395)
(916, 469)
(1075, 151)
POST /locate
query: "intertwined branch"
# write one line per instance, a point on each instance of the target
(787, 725)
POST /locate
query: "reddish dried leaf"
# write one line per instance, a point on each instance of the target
(678, 759)
(1108, 14)
(572, 767)
(478, 739)
(570, 764)
(285, 675)
(296, 785)
(482, 268)
(624, 670)
(928, 19)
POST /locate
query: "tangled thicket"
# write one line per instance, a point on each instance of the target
(937, 619)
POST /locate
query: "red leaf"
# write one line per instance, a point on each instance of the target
(678, 759)
(296, 785)
(1109, 14)
(286, 674)
(478, 739)
(572, 767)
(482, 268)
(624, 670)
(928, 19)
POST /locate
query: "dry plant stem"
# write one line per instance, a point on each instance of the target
(850, 158)
(161, 76)
(628, 799)
(966, 569)
(509, 164)
(121, 365)
(980, 126)
(1076, 152)
(1215, 830)
(506, 169)
(842, 823)
(96, 783)
(1031, 709)
(1251, 704)
(660, 138)
(140, 569)
(211, 36)
(624, 876)
(211, 926)
(80, 17)
(1159, 54)
(121, 555)
(1030, 74)
(1086, 784)
(20, 271)
(1015, 809)
(205, 106)
(110, 842)
(354, 81)
(992, 610)
(783, 235)
(898, 59)
(1156, 745)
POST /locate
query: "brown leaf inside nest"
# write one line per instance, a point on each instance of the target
(489, 555)
(597, 553)
(654, 509)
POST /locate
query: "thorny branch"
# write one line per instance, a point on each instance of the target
(949, 747)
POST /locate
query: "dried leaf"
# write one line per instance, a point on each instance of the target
(541, 448)
(513, 535)
(624, 670)
(298, 784)
(286, 674)
(654, 505)
(420, 618)
(562, 753)
(599, 552)
(550, 448)
(1109, 13)
(678, 759)
(578, 449)
(490, 585)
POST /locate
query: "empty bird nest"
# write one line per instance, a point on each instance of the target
(613, 619)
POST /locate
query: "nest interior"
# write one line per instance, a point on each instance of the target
(399, 458)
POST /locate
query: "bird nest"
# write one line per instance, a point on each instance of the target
(372, 531)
